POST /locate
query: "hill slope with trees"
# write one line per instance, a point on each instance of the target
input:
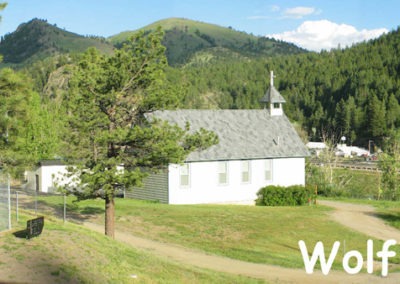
(37, 40)
(184, 38)
(352, 92)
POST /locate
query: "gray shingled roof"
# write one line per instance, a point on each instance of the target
(272, 96)
(243, 134)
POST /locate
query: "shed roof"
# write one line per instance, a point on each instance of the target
(55, 162)
(243, 134)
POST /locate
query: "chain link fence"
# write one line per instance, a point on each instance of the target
(39, 203)
(5, 210)
(15, 202)
(50, 204)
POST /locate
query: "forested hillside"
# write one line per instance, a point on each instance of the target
(37, 40)
(184, 38)
(353, 92)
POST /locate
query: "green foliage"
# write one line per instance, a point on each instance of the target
(352, 92)
(27, 129)
(109, 99)
(389, 164)
(42, 136)
(346, 183)
(2, 6)
(284, 196)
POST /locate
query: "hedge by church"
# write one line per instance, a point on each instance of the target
(285, 196)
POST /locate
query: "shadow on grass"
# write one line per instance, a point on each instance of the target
(392, 218)
(73, 211)
(21, 234)
(90, 210)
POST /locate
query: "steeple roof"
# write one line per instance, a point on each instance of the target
(272, 95)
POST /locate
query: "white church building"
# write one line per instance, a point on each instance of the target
(256, 148)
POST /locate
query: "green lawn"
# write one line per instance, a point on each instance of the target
(68, 253)
(389, 211)
(256, 234)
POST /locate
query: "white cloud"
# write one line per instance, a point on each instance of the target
(299, 12)
(324, 34)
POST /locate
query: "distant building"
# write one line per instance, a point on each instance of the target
(46, 176)
(351, 151)
(316, 147)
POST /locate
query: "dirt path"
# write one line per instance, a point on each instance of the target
(269, 273)
(362, 218)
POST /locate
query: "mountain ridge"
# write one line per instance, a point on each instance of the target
(184, 38)
(37, 39)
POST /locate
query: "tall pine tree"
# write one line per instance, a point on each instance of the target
(111, 141)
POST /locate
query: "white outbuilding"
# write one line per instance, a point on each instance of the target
(46, 176)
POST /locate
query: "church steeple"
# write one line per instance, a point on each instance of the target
(271, 80)
(273, 99)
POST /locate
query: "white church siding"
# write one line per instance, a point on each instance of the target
(289, 171)
(204, 186)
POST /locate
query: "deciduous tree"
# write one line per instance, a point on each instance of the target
(389, 164)
(28, 131)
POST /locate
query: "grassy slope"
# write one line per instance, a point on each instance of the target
(256, 234)
(67, 253)
(221, 34)
(184, 38)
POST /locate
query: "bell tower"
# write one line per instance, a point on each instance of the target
(273, 100)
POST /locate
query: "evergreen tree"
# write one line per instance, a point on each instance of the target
(393, 112)
(343, 118)
(376, 117)
(107, 107)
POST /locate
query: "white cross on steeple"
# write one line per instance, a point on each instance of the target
(272, 78)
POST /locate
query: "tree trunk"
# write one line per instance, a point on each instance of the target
(109, 216)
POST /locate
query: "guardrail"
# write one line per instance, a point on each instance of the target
(353, 166)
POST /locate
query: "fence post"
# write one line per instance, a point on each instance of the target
(9, 201)
(16, 205)
(36, 202)
(65, 208)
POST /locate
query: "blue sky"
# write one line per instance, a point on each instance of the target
(311, 24)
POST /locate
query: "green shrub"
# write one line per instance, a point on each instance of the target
(285, 196)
